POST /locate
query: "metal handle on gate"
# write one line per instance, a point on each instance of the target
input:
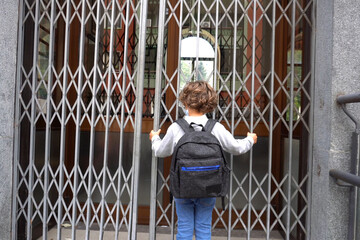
(351, 179)
(350, 98)
(345, 178)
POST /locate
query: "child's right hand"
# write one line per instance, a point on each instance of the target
(152, 133)
(253, 135)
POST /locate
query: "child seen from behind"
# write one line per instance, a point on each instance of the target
(198, 98)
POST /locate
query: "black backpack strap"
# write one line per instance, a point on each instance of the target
(171, 197)
(184, 125)
(210, 125)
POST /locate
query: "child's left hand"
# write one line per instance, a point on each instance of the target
(152, 133)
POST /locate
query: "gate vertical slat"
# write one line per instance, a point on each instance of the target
(60, 199)
(173, 223)
(138, 116)
(216, 73)
(216, 87)
(92, 124)
(157, 103)
(197, 42)
(173, 220)
(179, 64)
(216, 46)
(32, 124)
(20, 50)
(271, 120)
(177, 73)
(253, 73)
(230, 206)
(78, 121)
(233, 93)
(122, 125)
(311, 120)
(48, 119)
(291, 118)
(107, 123)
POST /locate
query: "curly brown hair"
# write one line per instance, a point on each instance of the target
(200, 96)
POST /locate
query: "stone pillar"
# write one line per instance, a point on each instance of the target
(8, 46)
(337, 72)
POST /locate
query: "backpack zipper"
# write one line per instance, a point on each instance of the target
(201, 168)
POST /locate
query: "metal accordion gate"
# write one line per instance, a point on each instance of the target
(95, 76)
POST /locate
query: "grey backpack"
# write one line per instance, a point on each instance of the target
(198, 167)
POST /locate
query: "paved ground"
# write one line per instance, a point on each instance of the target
(161, 235)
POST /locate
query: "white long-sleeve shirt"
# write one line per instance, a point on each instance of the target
(165, 147)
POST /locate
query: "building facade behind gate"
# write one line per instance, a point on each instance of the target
(84, 81)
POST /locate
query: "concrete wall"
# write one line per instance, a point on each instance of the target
(8, 37)
(337, 70)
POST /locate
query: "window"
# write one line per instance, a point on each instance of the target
(197, 63)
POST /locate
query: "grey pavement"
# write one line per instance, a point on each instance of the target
(218, 234)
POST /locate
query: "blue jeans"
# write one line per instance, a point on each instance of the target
(194, 213)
